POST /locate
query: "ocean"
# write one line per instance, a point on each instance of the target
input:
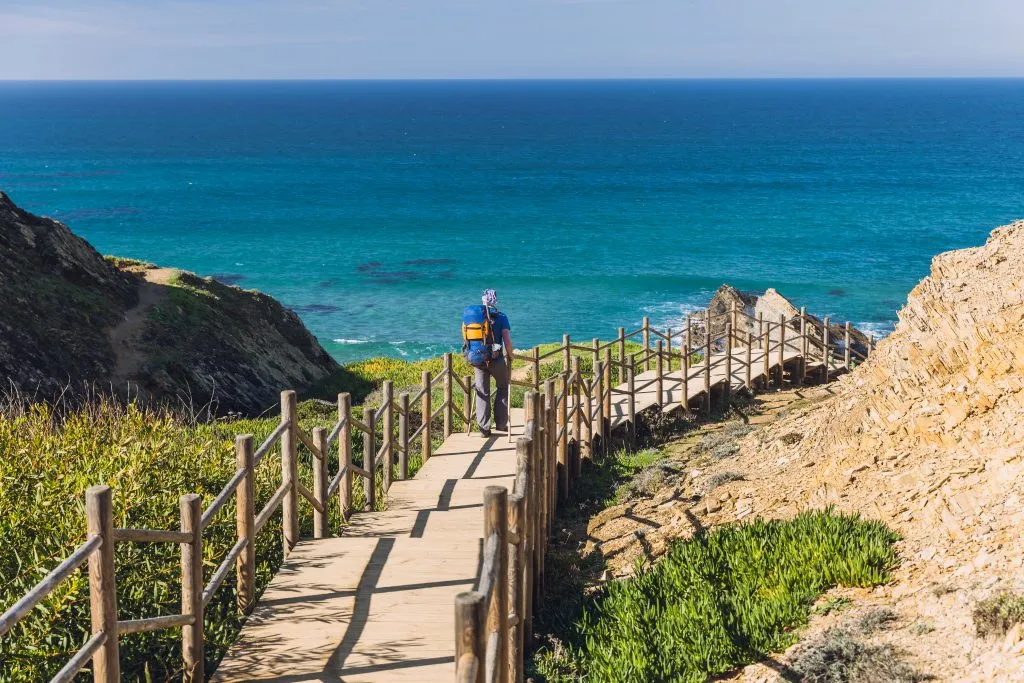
(378, 210)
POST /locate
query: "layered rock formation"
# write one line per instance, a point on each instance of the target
(70, 318)
(771, 306)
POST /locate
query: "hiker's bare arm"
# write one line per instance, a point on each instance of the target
(507, 338)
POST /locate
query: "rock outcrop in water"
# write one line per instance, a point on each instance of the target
(770, 305)
(71, 319)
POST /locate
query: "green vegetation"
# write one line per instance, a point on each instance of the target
(997, 615)
(149, 458)
(720, 600)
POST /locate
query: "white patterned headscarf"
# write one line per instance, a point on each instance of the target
(490, 298)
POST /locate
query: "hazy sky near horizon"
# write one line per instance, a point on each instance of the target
(227, 39)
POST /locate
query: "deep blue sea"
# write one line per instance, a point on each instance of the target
(378, 210)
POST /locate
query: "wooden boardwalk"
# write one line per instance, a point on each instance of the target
(444, 582)
(376, 603)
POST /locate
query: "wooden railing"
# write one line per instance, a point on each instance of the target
(390, 422)
(568, 419)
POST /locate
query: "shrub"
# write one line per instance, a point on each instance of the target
(725, 598)
(721, 443)
(716, 480)
(839, 656)
(997, 615)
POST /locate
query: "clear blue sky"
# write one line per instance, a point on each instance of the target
(143, 39)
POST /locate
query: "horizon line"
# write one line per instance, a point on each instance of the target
(496, 79)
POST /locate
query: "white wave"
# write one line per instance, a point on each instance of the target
(880, 329)
(670, 314)
(351, 341)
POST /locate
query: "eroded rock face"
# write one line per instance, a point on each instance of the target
(57, 296)
(70, 318)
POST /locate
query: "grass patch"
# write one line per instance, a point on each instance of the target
(720, 600)
(997, 615)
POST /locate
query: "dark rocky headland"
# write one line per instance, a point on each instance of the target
(73, 322)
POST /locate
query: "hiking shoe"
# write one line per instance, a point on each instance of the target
(501, 429)
(486, 433)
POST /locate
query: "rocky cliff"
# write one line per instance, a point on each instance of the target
(70, 318)
(928, 435)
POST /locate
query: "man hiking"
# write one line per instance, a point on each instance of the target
(484, 331)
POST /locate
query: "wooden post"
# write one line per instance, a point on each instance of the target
(688, 335)
(542, 500)
(566, 353)
(684, 375)
(447, 412)
(345, 455)
(470, 635)
(550, 453)
(370, 458)
(782, 347)
(576, 400)
(728, 360)
(518, 571)
(388, 433)
(245, 525)
(563, 441)
(647, 343)
(846, 346)
(596, 354)
(608, 386)
(576, 450)
(426, 435)
(289, 471)
(766, 357)
(536, 368)
(668, 355)
(826, 352)
(749, 360)
(320, 481)
(403, 435)
(532, 407)
(192, 588)
(496, 522)
(467, 403)
(516, 551)
(802, 374)
(760, 328)
(99, 518)
(659, 370)
(597, 428)
(631, 401)
(707, 370)
(803, 331)
(622, 348)
(733, 322)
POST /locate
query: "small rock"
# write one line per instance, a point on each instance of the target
(1013, 636)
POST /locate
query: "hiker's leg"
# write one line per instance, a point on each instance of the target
(482, 386)
(500, 373)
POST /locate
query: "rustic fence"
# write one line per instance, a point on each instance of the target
(570, 416)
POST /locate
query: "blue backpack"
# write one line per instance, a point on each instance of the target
(477, 335)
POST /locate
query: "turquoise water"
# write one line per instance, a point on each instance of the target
(378, 210)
